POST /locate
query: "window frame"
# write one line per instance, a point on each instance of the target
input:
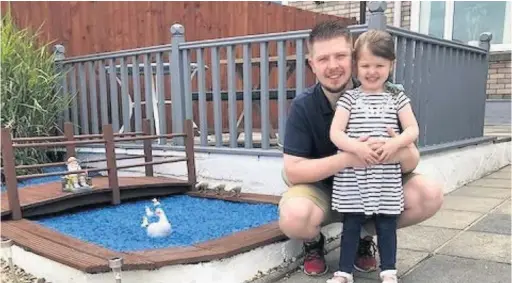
(448, 23)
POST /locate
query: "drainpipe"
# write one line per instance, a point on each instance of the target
(362, 12)
(397, 14)
(115, 264)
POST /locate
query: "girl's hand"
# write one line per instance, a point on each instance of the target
(367, 154)
(387, 150)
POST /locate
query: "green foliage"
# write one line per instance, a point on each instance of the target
(30, 85)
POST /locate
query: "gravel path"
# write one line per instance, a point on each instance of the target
(21, 275)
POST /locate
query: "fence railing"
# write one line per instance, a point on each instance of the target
(220, 83)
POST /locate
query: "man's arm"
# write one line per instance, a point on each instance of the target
(408, 157)
(303, 170)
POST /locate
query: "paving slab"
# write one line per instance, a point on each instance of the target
(493, 223)
(423, 238)
(504, 175)
(448, 269)
(494, 183)
(454, 219)
(332, 260)
(406, 260)
(475, 204)
(504, 208)
(479, 245)
(486, 192)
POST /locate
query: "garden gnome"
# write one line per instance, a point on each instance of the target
(77, 179)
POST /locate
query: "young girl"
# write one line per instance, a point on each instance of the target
(376, 190)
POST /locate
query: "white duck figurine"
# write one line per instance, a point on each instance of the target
(149, 213)
(162, 228)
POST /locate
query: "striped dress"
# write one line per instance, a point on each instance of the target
(376, 189)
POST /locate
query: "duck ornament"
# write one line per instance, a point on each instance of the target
(161, 228)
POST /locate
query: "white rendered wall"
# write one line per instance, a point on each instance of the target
(452, 168)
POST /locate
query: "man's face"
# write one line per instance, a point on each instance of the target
(331, 62)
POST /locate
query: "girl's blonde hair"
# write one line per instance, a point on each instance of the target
(378, 42)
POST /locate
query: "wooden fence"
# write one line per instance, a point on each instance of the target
(100, 26)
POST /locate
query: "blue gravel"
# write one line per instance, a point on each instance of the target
(193, 220)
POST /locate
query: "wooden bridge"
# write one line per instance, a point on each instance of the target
(48, 198)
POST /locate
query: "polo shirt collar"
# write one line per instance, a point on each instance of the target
(325, 104)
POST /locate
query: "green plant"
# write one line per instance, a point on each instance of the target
(30, 85)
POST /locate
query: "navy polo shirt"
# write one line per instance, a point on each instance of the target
(308, 125)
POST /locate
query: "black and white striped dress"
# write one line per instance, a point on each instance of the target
(376, 189)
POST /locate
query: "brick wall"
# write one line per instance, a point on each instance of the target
(351, 9)
(498, 83)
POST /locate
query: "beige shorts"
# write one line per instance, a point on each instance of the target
(320, 195)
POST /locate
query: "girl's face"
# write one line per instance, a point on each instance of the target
(372, 71)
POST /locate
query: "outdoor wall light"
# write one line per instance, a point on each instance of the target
(7, 250)
(115, 264)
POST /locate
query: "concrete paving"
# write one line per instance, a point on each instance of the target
(468, 240)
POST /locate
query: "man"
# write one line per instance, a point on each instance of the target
(311, 159)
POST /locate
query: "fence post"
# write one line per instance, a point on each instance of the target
(110, 152)
(148, 151)
(377, 18)
(59, 54)
(189, 152)
(484, 43)
(177, 96)
(10, 174)
(68, 133)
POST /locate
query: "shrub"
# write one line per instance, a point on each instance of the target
(30, 82)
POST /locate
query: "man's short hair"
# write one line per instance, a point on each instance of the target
(328, 30)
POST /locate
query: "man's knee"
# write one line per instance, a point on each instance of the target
(301, 212)
(424, 193)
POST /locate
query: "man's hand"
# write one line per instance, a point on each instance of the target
(366, 153)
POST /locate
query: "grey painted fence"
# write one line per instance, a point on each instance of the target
(445, 80)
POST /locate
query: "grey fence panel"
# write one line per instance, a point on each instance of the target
(232, 105)
(66, 94)
(137, 109)
(114, 102)
(217, 107)
(482, 68)
(187, 86)
(300, 61)
(93, 98)
(84, 111)
(176, 69)
(445, 81)
(247, 95)
(281, 90)
(148, 96)
(436, 76)
(162, 121)
(264, 97)
(201, 77)
(103, 93)
(125, 96)
(74, 103)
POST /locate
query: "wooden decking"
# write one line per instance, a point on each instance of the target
(91, 258)
(49, 197)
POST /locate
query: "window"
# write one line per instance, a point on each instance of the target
(464, 21)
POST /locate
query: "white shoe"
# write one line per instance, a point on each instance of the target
(341, 277)
(389, 276)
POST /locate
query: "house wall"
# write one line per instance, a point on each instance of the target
(499, 77)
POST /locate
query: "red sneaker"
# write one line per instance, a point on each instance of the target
(365, 258)
(314, 261)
